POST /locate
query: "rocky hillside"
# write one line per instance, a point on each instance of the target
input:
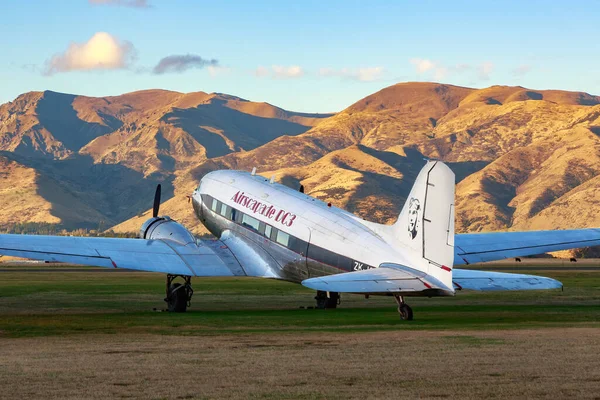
(97, 160)
(524, 159)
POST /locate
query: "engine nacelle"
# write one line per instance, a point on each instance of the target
(166, 229)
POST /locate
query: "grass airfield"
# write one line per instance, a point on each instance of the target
(87, 333)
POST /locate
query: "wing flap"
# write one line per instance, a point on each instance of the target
(497, 281)
(481, 247)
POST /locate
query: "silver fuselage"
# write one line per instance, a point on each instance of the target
(298, 236)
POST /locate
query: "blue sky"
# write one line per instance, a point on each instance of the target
(312, 56)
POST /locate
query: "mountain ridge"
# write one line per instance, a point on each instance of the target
(523, 157)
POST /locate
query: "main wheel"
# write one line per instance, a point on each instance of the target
(178, 299)
(327, 301)
(406, 313)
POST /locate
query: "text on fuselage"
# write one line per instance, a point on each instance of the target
(271, 212)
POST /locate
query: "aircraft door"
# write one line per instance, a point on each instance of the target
(305, 253)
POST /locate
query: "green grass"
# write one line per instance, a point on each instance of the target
(44, 304)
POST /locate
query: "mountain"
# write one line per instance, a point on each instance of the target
(524, 159)
(94, 161)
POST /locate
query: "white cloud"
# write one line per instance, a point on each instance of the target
(123, 3)
(438, 71)
(367, 74)
(217, 70)
(292, 71)
(102, 51)
(521, 70)
(422, 65)
(261, 71)
(485, 69)
(460, 68)
(425, 66)
(280, 72)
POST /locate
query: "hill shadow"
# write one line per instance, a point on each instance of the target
(396, 190)
(245, 130)
(115, 191)
(413, 162)
(56, 113)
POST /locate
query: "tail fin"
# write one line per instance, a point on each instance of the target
(426, 223)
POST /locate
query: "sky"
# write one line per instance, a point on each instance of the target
(309, 56)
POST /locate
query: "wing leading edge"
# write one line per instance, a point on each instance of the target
(472, 248)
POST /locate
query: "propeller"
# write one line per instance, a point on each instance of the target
(156, 202)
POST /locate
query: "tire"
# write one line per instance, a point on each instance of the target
(332, 300)
(177, 299)
(406, 313)
(323, 301)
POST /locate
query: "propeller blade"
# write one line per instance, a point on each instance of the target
(156, 201)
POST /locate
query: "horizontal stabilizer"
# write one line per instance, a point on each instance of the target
(389, 278)
(497, 281)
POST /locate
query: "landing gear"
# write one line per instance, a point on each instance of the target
(179, 295)
(327, 299)
(404, 309)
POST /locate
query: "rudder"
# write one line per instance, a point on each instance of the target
(426, 223)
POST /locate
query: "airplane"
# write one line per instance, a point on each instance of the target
(268, 230)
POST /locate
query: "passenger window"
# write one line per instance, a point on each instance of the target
(283, 238)
(268, 231)
(215, 203)
(250, 222)
(224, 210)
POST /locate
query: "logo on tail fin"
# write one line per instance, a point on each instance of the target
(414, 207)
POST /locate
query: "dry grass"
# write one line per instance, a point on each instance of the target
(549, 363)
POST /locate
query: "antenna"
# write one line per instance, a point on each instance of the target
(253, 171)
(272, 179)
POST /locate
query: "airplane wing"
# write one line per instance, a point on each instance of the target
(480, 247)
(203, 258)
(397, 279)
(496, 281)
